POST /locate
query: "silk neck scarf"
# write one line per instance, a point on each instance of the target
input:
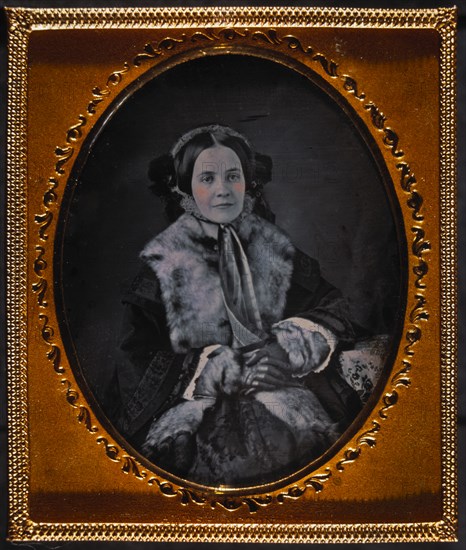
(238, 289)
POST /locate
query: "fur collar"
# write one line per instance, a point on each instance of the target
(186, 265)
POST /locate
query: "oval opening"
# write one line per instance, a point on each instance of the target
(330, 192)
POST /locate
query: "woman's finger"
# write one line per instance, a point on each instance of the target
(277, 370)
(262, 386)
(261, 378)
(276, 381)
(248, 377)
(256, 357)
(271, 369)
(259, 387)
(274, 362)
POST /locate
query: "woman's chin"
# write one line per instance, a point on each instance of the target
(227, 215)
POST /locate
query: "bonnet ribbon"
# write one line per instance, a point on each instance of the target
(238, 289)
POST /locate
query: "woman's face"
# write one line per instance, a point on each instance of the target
(218, 184)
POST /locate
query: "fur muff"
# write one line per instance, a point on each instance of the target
(190, 283)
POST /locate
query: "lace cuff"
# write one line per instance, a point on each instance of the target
(189, 391)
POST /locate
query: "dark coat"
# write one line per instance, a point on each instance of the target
(153, 372)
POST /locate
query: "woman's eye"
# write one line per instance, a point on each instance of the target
(207, 179)
(233, 177)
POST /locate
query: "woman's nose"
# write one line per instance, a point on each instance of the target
(222, 188)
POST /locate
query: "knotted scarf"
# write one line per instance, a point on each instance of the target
(238, 289)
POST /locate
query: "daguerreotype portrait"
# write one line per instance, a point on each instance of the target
(231, 286)
(237, 357)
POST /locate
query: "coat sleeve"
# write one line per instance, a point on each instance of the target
(150, 376)
(312, 297)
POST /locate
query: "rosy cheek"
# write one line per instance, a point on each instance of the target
(238, 186)
(202, 193)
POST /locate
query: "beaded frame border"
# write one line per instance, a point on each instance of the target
(22, 22)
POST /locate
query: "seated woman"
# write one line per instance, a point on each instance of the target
(228, 371)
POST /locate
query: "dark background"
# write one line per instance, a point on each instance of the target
(255, 137)
(326, 192)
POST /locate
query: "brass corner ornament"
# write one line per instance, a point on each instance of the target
(54, 351)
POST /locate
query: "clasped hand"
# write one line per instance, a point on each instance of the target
(221, 374)
(229, 372)
(266, 369)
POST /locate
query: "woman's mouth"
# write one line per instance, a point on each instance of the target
(223, 205)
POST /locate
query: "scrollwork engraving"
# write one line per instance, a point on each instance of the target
(148, 53)
(199, 35)
(91, 108)
(315, 482)
(46, 331)
(131, 466)
(63, 154)
(401, 378)
(415, 203)
(253, 503)
(377, 117)
(39, 263)
(390, 140)
(116, 77)
(75, 133)
(413, 335)
(152, 51)
(84, 417)
(188, 497)
(100, 93)
(112, 451)
(43, 220)
(54, 353)
(419, 245)
(72, 395)
(389, 400)
(407, 177)
(293, 493)
(295, 44)
(50, 196)
(40, 288)
(232, 33)
(269, 36)
(351, 454)
(367, 438)
(420, 271)
(329, 66)
(418, 313)
(351, 86)
(54, 356)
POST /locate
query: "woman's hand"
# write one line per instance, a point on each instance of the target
(266, 369)
(221, 374)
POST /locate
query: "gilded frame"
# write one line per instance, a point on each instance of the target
(313, 508)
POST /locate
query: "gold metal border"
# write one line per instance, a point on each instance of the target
(448, 272)
(22, 22)
(16, 281)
